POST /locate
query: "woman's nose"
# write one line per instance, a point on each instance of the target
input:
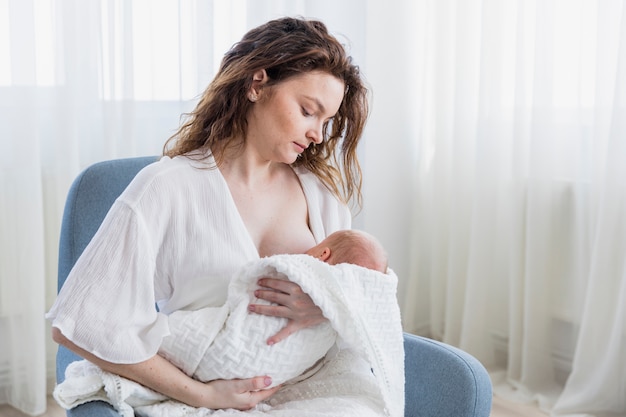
(316, 134)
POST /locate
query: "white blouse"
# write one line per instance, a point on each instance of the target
(175, 238)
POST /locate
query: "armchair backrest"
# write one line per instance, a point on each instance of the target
(88, 201)
(440, 380)
(84, 211)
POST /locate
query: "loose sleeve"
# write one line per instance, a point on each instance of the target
(107, 304)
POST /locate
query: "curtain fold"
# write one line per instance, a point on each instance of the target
(493, 165)
(84, 81)
(68, 98)
(22, 302)
(598, 379)
(519, 203)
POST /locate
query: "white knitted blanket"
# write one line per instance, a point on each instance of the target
(362, 372)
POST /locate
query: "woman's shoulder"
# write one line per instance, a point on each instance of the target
(172, 177)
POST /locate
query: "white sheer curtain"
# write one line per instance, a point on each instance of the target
(492, 164)
(84, 81)
(80, 82)
(519, 210)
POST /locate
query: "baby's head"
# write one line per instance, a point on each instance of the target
(351, 246)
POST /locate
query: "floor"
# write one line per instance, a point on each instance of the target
(501, 408)
(53, 411)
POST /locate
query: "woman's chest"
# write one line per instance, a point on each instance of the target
(276, 222)
(197, 267)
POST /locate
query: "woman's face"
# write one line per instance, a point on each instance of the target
(289, 117)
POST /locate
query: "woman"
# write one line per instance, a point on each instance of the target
(265, 164)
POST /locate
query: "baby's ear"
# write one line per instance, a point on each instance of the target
(325, 255)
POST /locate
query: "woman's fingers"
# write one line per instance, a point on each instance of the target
(290, 328)
(295, 301)
(256, 384)
(243, 394)
(296, 306)
(290, 302)
(280, 285)
(259, 396)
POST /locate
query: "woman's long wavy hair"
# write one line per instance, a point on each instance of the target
(283, 48)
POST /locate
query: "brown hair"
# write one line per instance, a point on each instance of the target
(283, 48)
(357, 247)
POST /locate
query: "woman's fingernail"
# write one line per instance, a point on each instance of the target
(268, 381)
(250, 308)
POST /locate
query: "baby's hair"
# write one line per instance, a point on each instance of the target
(357, 247)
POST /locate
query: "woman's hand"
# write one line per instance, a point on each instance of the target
(240, 394)
(162, 376)
(293, 304)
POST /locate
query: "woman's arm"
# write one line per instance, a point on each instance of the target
(160, 375)
(293, 304)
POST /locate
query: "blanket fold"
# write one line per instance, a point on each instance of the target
(362, 371)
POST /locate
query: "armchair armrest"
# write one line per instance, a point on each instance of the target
(443, 381)
(440, 380)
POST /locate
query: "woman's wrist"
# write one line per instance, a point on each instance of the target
(199, 394)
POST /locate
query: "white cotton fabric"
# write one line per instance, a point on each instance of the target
(174, 237)
(359, 303)
(343, 387)
(228, 343)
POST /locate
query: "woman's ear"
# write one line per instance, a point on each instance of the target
(259, 78)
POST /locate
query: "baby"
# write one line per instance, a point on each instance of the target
(238, 349)
(351, 246)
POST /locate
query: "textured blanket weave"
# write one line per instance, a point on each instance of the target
(361, 375)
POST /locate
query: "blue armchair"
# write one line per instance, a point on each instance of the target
(441, 380)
